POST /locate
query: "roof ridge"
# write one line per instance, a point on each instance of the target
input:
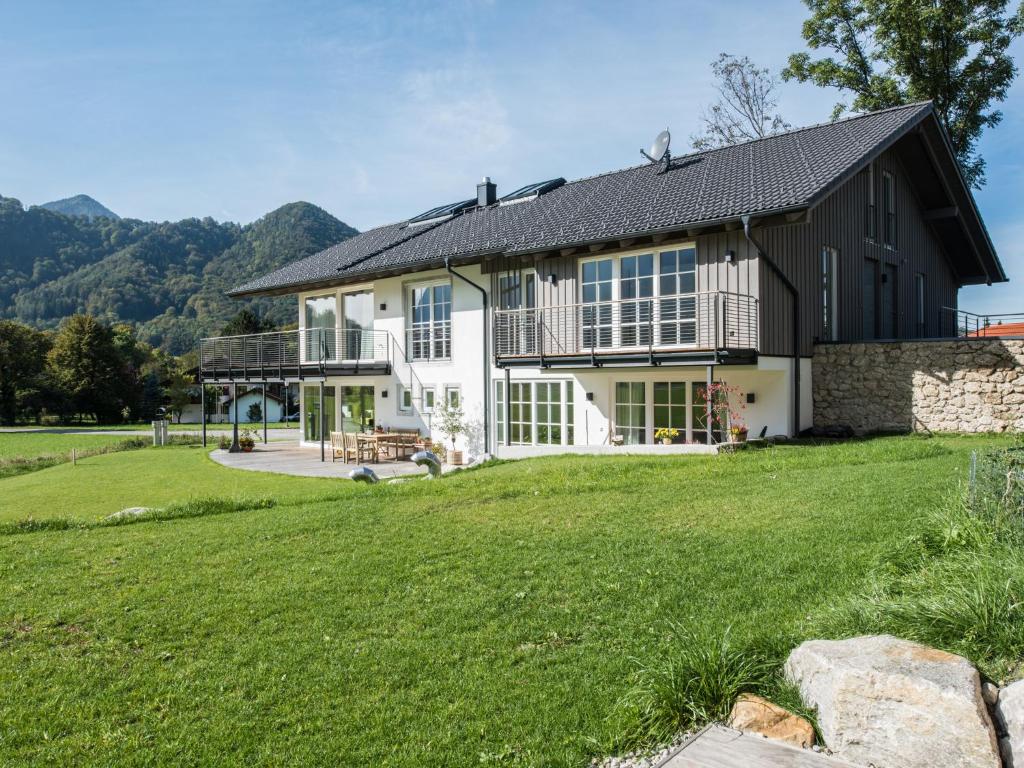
(791, 132)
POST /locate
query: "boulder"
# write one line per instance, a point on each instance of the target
(892, 703)
(754, 714)
(1010, 713)
(128, 512)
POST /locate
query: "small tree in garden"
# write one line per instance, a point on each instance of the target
(723, 415)
(255, 412)
(450, 420)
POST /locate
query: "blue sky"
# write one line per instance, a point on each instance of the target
(377, 111)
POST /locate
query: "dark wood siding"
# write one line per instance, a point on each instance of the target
(841, 221)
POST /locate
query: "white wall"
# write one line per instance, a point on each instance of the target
(769, 380)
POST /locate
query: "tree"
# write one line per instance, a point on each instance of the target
(22, 364)
(746, 104)
(255, 412)
(891, 52)
(246, 322)
(178, 385)
(85, 363)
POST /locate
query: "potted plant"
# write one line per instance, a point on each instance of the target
(247, 441)
(451, 421)
(666, 435)
(724, 417)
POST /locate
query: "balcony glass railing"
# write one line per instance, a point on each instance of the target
(698, 321)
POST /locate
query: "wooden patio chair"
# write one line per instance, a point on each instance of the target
(363, 448)
(337, 446)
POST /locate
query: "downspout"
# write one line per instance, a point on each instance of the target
(795, 294)
(487, 359)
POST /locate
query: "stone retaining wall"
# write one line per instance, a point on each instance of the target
(956, 385)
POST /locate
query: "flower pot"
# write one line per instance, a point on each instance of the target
(455, 458)
(247, 448)
(739, 437)
(666, 441)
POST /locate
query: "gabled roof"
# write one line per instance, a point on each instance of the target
(787, 172)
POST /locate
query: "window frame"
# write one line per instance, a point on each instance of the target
(428, 393)
(432, 326)
(619, 303)
(565, 405)
(452, 389)
(889, 209)
(920, 302)
(403, 393)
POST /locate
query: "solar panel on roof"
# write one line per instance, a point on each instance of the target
(533, 190)
(443, 210)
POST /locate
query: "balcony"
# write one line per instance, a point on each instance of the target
(298, 354)
(708, 327)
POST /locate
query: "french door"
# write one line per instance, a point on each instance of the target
(597, 310)
(518, 291)
(357, 330)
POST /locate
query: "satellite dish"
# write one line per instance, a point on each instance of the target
(659, 148)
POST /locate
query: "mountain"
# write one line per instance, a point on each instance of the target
(80, 205)
(166, 279)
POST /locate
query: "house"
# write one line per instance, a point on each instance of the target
(253, 397)
(580, 314)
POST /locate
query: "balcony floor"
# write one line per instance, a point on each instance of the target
(632, 357)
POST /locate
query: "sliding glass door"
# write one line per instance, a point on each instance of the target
(321, 341)
(358, 325)
(312, 422)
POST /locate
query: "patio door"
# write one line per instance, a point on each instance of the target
(597, 310)
(631, 412)
(357, 409)
(636, 289)
(518, 291)
(357, 325)
(311, 410)
(321, 340)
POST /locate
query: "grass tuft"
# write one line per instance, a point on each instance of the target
(31, 525)
(694, 681)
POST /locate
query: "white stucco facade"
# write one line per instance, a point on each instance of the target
(576, 408)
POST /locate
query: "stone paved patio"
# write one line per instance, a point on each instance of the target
(292, 459)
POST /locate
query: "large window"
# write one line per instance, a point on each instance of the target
(539, 412)
(520, 421)
(518, 291)
(598, 310)
(677, 274)
(830, 317)
(321, 342)
(670, 407)
(430, 322)
(358, 325)
(636, 288)
(313, 421)
(631, 412)
(549, 413)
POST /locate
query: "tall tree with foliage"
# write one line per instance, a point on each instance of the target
(22, 365)
(86, 364)
(746, 108)
(247, 321)
(179, 382)
(891, 52)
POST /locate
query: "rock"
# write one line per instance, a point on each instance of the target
(990, 693)
(889, 702)
(1010, 713)
(752, 713)
(129, 512)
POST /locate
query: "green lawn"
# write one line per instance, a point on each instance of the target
(489, 618)
(30, 444)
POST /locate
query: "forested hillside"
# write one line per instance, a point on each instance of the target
(167, 279)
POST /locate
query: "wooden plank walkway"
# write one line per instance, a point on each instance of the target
(720, 747)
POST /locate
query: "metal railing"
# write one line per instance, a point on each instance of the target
(282, 353)
(959, 322)
(428, 341)
(709, 320)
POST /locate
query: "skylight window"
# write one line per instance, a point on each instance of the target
(531, 191)
(442, 211)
